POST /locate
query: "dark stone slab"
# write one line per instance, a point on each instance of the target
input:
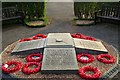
(33, 46)
(59, 60)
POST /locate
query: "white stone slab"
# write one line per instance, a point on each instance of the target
(59, 60)
(90, 46)
(59, 42)
(29, 46)
(59, 35)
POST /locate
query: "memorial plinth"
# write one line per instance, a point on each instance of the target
(59, 60)
(59, 43)
(60, 40)
(59, 35)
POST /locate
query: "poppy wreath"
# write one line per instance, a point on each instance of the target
(34, 38)
(38, 36)
(90, 38)
(96, 75)
(102, 57)
(25, 39)
(90, 58)
(81, 36)
(25, 69)
(17, 67)
(29, 58)
(78, 35)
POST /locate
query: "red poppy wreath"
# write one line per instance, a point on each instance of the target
(34, 57)
(106, 58)
(6, 69)
(85, 58)
(25, 69)
(96, 71)
(81, 36)
(25, 39)
(78, 35)
(90, 38)
(38, 36)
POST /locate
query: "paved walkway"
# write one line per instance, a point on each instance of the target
(61, 16)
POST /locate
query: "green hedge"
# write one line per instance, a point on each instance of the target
(88, 8)
(30, 9)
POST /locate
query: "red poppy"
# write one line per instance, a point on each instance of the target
(17, 66)
(25, 39)
(34, 38)
(96, 71)
(25, 69)
(38, 36)
(78, 35)
(89, 57)
(90, 38)
(30, 58)
(81, 36)
(109, 59)
(73, 35)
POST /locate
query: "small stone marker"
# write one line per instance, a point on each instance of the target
(59, 40)
(33, 46)
(59, 60)
(88, 46)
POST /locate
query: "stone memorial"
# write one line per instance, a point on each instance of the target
(88, 46)
(64, 42)
(59, 60)
(59, 40)
(33, 46)
(59, 35)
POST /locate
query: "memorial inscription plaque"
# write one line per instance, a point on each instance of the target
(89, 46)
(59, 60)
(33, 46)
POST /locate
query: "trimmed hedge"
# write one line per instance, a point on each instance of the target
(30, 10)
(87, 9)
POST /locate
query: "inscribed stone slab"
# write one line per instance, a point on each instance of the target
(59, 60)
(29, 46)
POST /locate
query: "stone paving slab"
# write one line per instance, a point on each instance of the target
(33, 46)
(59, 60)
